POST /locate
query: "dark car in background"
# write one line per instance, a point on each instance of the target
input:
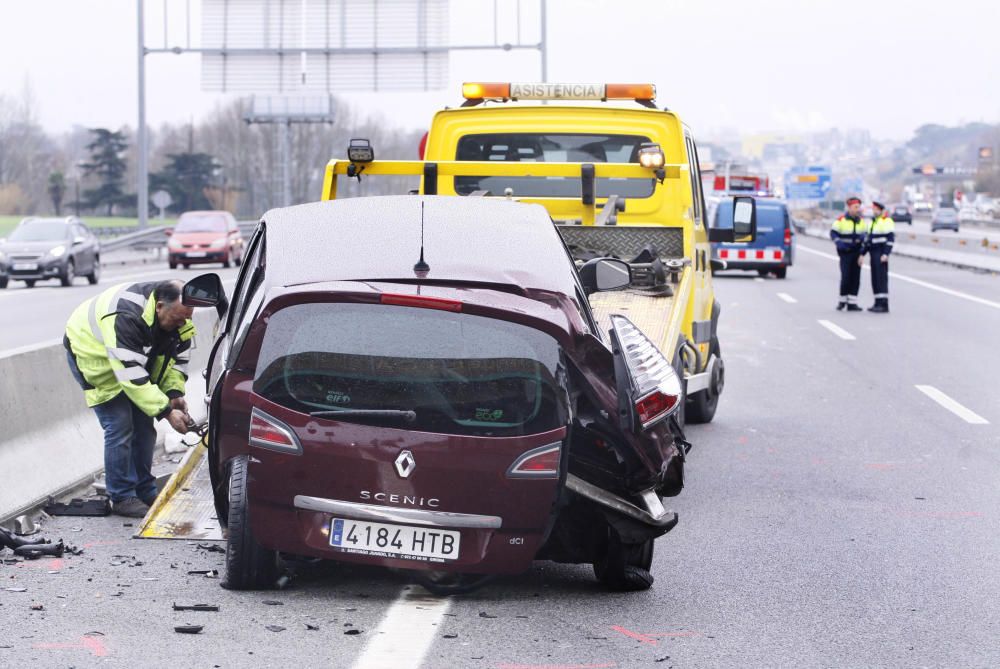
(944, 218)
(774, 249)
(419, 383)
(900, 213)
(50, 248)
(205, 237)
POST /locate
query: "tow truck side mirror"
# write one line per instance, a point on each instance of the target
(744, 223)
(605, 274)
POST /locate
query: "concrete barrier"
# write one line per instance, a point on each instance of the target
(50, 441)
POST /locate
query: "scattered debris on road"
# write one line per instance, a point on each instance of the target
(275, 628)
(189, 629)
(195, 607)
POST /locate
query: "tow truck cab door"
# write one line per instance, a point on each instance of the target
(471, 418)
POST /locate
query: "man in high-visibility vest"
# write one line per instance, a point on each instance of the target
(878, 245)
(848, 233)
(128, 349)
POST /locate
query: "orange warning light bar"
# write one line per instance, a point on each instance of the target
(481, 91)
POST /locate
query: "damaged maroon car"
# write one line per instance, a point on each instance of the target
(419, 383)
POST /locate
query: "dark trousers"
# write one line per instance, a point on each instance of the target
(129, 440)
(850, 276)
(880, 274)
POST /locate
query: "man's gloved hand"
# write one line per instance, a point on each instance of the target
(178, 420)
(179, 403)
(885, 258)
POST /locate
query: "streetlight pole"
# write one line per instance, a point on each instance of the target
(142, 187)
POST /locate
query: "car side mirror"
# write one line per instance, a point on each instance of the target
(744, 223)
(79, 240)
(205, 291)
(168, 232)
(602, 274)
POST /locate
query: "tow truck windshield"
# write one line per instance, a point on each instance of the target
(552, 148)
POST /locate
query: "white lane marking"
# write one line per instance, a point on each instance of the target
(968, 415)
(406, 632)
(759, 279)
(837, 330)
(917, 282)
(787, 298)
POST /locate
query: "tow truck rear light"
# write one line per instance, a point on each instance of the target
(655, 390)
(539, 91)
(788, 236)
(270, 433)
(421, 301)
(538, 463)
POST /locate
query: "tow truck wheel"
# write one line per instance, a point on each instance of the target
(248, 565)
(625, 567)
(3, 282)
(781, 272)
(701, 405)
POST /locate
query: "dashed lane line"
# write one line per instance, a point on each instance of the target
(966, 414)
(787, 298)
(916, 282)
(406, 633)
(837, 330)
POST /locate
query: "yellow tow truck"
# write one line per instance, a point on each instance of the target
(619, 181)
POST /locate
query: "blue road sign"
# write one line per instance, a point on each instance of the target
(808, 183)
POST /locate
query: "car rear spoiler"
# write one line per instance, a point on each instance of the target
(431, 171)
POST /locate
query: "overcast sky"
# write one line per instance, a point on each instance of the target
(754, 65)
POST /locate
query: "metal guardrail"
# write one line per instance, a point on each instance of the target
(149, 237)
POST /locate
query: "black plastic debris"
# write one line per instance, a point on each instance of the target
(195, 607)
(80, 507)
(212, 548)
(449, 636)
(37, 607)
(483, 614)
(35, 551)
(312, 628)
(189, 629)
(275, 628)
(13, 541)
(272, 602)
(352, 632)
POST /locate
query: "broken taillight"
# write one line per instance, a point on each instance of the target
(269, 432)
(538, 463)
(654, 390)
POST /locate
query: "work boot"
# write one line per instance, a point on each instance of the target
(148, 501)
(132, 507)
(881, 306)
(841, 306)
(853, 307)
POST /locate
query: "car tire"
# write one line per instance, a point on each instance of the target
(228, 262)
(95, 273)
(30, 283)
(763, 272)
(68, 274)
(239, 259)
(187, 266)
(625, 567)
(248, 565)
(3, 282)
(172, 264)
(701, 406)
(781, 272)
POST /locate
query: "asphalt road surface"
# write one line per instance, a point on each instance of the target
(842, 510)
(31, 316)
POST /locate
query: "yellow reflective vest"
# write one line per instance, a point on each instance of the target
(119, 347)
(881, 236)
(849, 234)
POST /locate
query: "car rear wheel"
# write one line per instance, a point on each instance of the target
(68, 274)
(228, 262)
(3, 282)
(625, 567)
(248, 565)
(172, 264)
(701, 405)
(30, 283)
(781, 272)
(186, 266)
(95, 273)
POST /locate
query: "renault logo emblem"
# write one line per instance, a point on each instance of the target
(405, 464)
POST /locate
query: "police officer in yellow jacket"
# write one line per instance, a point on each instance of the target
(848, 233)
(878, 246)
(128, 349)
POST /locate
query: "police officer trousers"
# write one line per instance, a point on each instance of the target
(880, 273)
(850, 276)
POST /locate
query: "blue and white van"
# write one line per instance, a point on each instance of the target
(774, 248)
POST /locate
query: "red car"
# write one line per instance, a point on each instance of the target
(205, 236)
(434, 396)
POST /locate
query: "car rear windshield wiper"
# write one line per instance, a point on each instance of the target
(404, 414)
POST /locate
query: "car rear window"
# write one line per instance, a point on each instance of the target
(551, 148)
(460, 373)
(768, 216)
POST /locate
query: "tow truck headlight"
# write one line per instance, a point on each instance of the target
(649, 389)
(651, 156)
(58, 251)
(360, 151)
